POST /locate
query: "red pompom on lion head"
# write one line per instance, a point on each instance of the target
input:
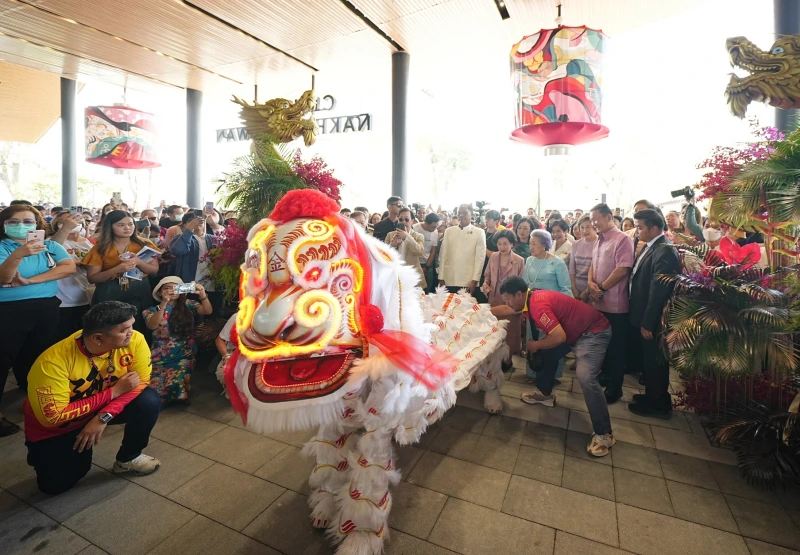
(304, 203)
(371, 319)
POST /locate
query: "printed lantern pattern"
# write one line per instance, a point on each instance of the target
(120, 137)
(557, 78)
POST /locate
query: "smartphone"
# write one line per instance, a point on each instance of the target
(399, 226)
(117, 198)
(209, 207)
(75, 209)
(35, 236)
(141, 225)
(185, 288)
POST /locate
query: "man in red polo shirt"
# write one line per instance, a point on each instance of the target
(570, 325)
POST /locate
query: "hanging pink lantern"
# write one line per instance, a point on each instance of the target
(557, 78)
(120, 137)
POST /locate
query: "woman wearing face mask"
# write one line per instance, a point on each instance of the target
(712, 234)
(109, 260)
(504, 264)
(74, 291)
(29, 274)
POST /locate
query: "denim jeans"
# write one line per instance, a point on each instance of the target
(590, 350)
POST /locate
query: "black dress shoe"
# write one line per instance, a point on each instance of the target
(7, 428)
(612, 396)
(639, 398)
(645, 409)
(641, 380)
(506, 366)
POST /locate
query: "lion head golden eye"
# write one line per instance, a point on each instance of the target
(778, 50)
(286, 105)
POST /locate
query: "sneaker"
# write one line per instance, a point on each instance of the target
(536, 397)
(7, 428)
(600, 445)
(141, 465)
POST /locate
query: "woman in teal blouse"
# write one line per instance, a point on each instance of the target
(545, 271)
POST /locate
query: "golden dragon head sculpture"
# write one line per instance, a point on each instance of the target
(281, 119)
(774, 76)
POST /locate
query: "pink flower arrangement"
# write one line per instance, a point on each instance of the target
(726, 162)
(317, 175)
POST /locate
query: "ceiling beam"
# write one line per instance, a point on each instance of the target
(371, 24)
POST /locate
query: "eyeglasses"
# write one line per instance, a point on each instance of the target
(14, 222)
(400, 204)
(404, 219)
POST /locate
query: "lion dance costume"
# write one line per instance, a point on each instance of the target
(333, 331)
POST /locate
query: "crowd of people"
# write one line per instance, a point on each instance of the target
(580, 285)
(100, 307)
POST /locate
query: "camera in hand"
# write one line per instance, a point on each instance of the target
(185, 288)
(687, 192)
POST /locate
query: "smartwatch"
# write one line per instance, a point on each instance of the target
(106, 417)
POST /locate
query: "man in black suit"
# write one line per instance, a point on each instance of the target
(648, 295)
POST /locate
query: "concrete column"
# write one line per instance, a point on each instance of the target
(787, 22)
(194, 189)
(69, 162)
(399, 104)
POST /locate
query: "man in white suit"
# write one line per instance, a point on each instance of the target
(462, 253)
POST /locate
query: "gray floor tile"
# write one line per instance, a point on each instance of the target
(561, 508)
(465, 480)
(202, 536)
(178, 466)
(406, 458)
(429, 436)
(185, 430)
(289, 470)
(643, 491)
(624, 430)
(469, 420)
(399, 543)
(28, 531)
(503, 428)
(211, 405)
(544, 437)
(789, 497)
(286, 526)
(690, 444)
(761, 548)
(650, 533)
(557, 417)
(93, 550)
(12, 405)
(568, 544)
(149, 520)
(576, 447)
(538, 464)
(415, 509)
(14, 462)
(298, 439)
(9, 505)
(587, 477)
(637, 458)
(473, 530)
(228, 496)
(701, 506)
(96, 486)
(478, 449)
(687, 470)
(764, 522)
(730, 480)
(240, 449)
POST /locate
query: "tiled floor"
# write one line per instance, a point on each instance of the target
(519, 483)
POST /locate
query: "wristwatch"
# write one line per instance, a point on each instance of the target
(106, 417)
(600, 286)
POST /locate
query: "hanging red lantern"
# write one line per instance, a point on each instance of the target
(120, 137)
(557, 78)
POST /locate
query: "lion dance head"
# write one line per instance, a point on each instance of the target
(317, 298)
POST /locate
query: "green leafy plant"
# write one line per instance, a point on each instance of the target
(725, 320)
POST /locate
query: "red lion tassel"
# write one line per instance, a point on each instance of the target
(238, 400)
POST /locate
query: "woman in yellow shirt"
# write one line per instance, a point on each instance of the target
(109, 261)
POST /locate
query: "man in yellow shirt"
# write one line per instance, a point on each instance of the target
(78, 386)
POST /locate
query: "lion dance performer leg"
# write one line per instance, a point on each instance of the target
(333, 332)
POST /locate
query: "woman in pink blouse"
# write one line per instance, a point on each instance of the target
(504, 264)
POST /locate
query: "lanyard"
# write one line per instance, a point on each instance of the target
(109, 370)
